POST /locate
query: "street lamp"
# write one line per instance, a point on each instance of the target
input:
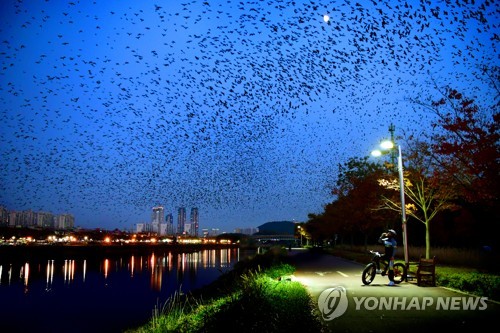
(300, 231)
(390, 145)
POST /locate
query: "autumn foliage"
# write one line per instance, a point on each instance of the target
(467, 149)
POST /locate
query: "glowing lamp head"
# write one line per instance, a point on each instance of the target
(387, 144)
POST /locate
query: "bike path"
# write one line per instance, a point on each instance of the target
(377, 307)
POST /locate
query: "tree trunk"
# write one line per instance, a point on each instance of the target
(427, 241)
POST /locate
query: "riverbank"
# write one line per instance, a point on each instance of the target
(258, 294)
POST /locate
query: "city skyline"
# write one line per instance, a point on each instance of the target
(142, 221)
(66, 221)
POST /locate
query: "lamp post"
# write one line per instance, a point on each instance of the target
(390, 145)
(300, 231)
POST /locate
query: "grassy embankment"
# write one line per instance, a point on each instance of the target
(252, 297)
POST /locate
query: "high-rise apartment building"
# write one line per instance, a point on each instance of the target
(181, 220)
(64, 221)
(4, 216)
(45, 220)
(157, 218)
(170, 224)
(194, 221)
(29, 218)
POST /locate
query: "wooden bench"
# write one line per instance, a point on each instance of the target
(411, 274)
(426, 270)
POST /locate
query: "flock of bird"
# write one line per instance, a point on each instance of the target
(242, 108)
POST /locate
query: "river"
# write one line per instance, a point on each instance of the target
(100, 293)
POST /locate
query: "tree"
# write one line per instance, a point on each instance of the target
(465, 153)
(427, 195)
(358, 193)
(466, 150)
(316, 228)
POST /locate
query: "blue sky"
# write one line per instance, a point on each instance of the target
(242, 109)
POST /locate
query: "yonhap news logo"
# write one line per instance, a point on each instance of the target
(333, 303)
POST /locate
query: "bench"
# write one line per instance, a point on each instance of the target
(426, 271)
(411, 274)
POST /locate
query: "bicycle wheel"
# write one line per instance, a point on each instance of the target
(399, 273)
(369, 273)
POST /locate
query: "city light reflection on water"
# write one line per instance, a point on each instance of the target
(157, 265)
(89, 289)
(50, 274)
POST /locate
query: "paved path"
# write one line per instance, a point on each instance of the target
(379, 308)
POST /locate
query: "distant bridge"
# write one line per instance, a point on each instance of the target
(274, 238)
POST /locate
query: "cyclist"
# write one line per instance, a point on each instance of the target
(390, 244)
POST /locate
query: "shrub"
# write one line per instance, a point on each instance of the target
(472, 282)
(269, 305)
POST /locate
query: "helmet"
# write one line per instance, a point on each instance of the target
(392, 231)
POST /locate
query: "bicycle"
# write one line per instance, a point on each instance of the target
(370, 269)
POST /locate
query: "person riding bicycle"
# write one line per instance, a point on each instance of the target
(390, 244)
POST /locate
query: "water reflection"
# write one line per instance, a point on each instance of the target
(160, 268)
(156, 273)
(84, 269)
(69, 271)
(132, 266)
(50, 274)
(106, 268)
(26, 276)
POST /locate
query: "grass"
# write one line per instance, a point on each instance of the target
(254, 296)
